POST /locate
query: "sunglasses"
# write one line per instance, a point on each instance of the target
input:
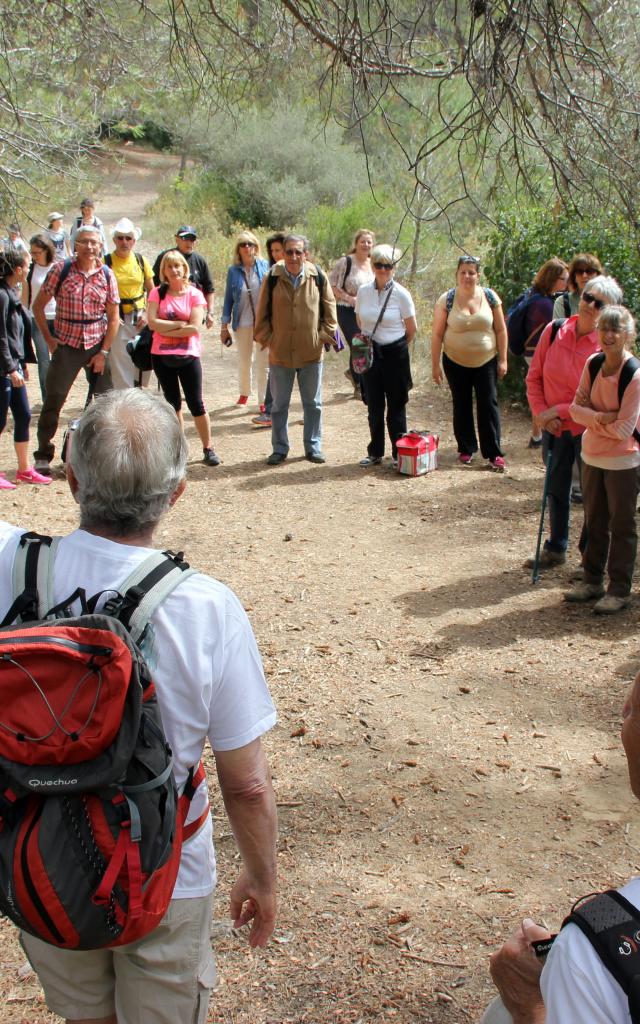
(188, 238)
(125, 238)
(587, 270)
(589, 299)
(383, 266)
(469, 259)
(246, 245)
(294, 252)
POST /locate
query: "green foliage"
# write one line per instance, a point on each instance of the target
(277, 164)
(524, 238)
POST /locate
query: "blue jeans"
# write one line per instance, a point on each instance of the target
(566, 451)
(43, 355)
(281, 379)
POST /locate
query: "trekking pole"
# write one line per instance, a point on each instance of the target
(535, 573)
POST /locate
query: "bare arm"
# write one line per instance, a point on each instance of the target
(410, 326)
(245, 783)
(175, 328)
(500, 330)
(437, 336)
(98, 362)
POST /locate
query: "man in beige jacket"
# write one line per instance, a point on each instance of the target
(295, 318)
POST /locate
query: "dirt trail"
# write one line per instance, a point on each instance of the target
(447, 755)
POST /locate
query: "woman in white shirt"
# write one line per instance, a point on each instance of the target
(43, 255)
(385, 311)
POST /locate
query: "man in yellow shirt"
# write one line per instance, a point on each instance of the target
(135, 280)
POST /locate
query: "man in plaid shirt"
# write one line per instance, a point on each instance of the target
(86, 323)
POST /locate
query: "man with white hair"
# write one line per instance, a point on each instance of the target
(86, 323)
(126, 468)
(135, 280)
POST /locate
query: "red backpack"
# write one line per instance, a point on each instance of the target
(91, 824)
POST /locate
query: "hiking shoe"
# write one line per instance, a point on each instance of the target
(242, 400)
(576, 496)
(464, 460)
(370, 460)
(42, 466)
(585, 592)
(548, 559)
(32, 476)
(210, 457)
(6, 485)
(498, 465)
(315, 457)
(394, 462)
(263, 420)
(276, 458)
(610, 604)
(535, 442)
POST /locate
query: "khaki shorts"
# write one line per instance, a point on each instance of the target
(165, 978)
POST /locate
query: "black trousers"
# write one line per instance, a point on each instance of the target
(349, 326)
(464, 381)
(387, 384)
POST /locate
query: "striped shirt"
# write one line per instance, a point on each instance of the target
(81, 304)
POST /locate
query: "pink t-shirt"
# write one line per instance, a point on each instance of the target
(177, 307)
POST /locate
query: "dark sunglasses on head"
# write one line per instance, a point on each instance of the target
(125, 238)
(469, 259)
(246, 245)
(589, 299)
(294, 252)
(383, 266)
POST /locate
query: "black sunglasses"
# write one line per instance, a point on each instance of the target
(246, 245)
(589, 299)
(383, 266)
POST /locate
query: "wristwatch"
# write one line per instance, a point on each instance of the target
(104, 352)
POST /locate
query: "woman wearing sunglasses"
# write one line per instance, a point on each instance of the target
(552, 381)
(385, 311)
(470, 333)
(244, 278)
(582, 268)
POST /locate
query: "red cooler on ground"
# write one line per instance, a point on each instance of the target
(417, 452)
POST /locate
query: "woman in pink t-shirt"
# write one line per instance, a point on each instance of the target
(176, 312)
(607, 403)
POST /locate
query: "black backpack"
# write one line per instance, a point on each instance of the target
(91, 824)
(516, 320)
(626, 375)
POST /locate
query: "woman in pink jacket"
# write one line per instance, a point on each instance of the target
(607, 403)
(552, 381)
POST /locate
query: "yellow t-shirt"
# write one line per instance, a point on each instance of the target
(469, 338)
(131, 279)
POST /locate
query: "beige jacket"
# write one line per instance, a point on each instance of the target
(290, 329)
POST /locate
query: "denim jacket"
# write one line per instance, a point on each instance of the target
(235, 284)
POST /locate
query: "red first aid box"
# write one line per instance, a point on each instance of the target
(417, 452)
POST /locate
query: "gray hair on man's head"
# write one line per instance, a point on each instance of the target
(606, 287)
(87, 229)
(296, 238)
(128, 455)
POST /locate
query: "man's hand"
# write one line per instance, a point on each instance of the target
(516, 971)
(248, 902)
(209, 318)
(98, 363)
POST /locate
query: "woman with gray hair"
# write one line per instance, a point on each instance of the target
(385, 311)
(244, 278)
(552, 381)
(129, 457)
(607, 403)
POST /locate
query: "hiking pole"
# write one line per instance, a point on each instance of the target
(535, 573)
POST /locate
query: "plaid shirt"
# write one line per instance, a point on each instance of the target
(81, 304)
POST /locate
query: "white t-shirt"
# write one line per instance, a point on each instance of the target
(209, 677)
(369, 302)
(576, 986)
(37, 277)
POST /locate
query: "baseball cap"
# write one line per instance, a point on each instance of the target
(185, 230)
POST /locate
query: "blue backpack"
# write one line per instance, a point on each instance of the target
(516, 323)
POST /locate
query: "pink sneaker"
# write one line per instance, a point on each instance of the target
(464, 460)
(6, 485)
(31, 476)
(498, 465)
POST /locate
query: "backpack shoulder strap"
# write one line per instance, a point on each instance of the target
(347, 270)
(145, 588)
(612, 925)
(272, 281)
(140, 260)
(626, 375)
(321, 283)
(32, 578)
(107, 259)
(595, 365)
(451, 294)
(64, 273)
(555, 327)
(566, 305)
(491, 297)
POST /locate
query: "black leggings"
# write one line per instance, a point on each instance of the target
(190, 376)
(17, 400)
